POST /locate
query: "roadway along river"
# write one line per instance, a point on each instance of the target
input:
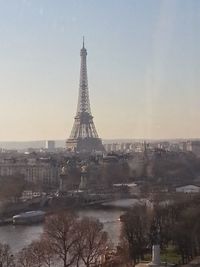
(20, 236)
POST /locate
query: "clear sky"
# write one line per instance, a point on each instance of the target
(143, 67)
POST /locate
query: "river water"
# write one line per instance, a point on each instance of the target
(19, 236)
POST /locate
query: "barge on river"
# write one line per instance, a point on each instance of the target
(29, 217)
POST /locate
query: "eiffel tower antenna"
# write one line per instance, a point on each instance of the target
(84, 137)
(83, 41)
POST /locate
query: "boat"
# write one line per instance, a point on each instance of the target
(29, 217)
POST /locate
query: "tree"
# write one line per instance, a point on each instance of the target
(135, 232)
(67, 240)
(48, 257)
(60, 233)
(186, 233)
(24, 258)
(6, 257)
(37, 254)
(92, 241)
(11, 187)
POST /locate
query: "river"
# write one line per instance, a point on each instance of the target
(19, 236)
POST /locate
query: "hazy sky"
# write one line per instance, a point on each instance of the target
(143, 67)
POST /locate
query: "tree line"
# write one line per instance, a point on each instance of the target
(177, 225)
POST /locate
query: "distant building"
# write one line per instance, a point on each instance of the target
(132, 187)
(50, 145)
(29, 194)
(194, 147)
(183, 146)
(34, 170)
(108, 147)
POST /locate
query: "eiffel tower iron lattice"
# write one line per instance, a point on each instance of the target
(84, 137)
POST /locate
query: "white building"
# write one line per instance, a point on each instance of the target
(194, 146)
(50, 145)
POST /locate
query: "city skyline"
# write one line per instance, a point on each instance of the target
(143, 75)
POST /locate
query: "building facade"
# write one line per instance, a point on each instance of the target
(43, 171)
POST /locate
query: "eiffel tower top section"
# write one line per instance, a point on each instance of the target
(83, 99)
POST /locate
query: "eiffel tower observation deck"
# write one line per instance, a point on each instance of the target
(84, 137)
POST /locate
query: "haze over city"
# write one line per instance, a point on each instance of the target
(143, 67)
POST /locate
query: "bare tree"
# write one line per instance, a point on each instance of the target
(135, 232)
(48, 257)
(92, 241)
(37, 254)
(24, 258)
(36, 251)
(6, 257)
(60, 233)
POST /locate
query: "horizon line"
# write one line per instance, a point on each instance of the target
(106, 139)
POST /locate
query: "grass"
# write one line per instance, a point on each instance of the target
(168, 255)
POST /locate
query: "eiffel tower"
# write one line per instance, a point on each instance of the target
(84, 137)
